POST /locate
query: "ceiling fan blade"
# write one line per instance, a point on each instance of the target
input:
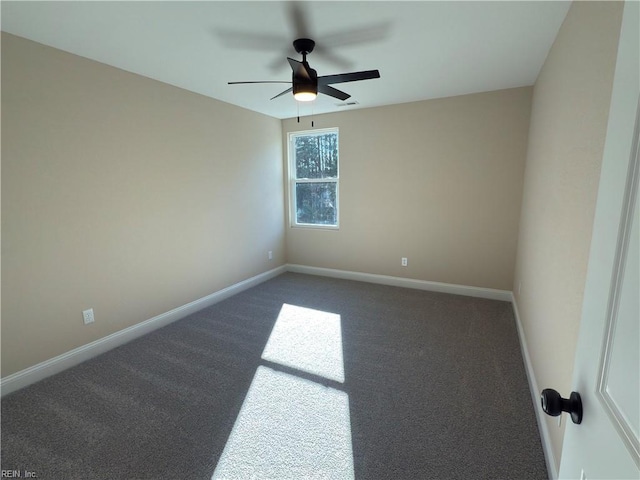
(295, 64)
(348, 77)
(329, 56)
(277, 64)
(299, 69)
(241, 39)
(333, 92)
(298, 18)
(355, 36)
(265, 81)
(282, 93)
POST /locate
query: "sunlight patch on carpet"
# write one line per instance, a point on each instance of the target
(289, 428)
(308, 340)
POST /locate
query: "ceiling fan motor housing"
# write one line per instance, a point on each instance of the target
(304, 83)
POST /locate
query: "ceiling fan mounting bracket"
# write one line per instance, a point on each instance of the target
(304, 46)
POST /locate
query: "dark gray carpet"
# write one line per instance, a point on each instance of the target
(435, 382)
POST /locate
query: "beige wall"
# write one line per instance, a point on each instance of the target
(125, 195)
(438, 182)
(568, 125)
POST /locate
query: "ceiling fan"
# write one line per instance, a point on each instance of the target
(305, 82)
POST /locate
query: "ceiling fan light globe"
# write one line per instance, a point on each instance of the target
(305, 96)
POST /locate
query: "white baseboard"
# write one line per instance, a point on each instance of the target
(57, 364)
(549, 456)
(489, 293)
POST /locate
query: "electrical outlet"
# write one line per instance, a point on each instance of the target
(404, 261)
(270, 255)
(87, 315)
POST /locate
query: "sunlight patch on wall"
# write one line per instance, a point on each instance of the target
(308, 340)
(289, 427)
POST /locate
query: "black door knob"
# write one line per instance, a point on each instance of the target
(553, 404)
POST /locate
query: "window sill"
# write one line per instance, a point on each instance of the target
(312, 226)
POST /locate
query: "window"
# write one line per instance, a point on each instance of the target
(313, 173)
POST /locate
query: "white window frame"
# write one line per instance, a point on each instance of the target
(293, 180)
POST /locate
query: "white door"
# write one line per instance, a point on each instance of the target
(607, 363)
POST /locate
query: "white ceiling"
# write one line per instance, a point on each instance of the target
(423, 49)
